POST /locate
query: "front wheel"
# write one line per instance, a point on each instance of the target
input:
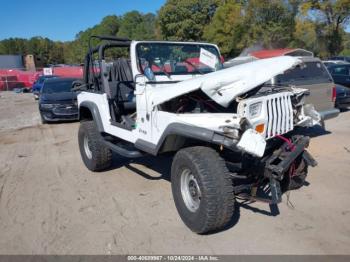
(202, 189)
(95, 154)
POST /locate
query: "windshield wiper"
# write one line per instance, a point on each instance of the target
(194, 66)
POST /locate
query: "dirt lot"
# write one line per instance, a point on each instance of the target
(51, 204)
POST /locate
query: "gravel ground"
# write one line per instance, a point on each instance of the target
(51, 204)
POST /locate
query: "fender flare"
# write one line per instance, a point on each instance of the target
(187, 131)
(94, 112)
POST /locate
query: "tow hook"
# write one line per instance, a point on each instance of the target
(309, 159)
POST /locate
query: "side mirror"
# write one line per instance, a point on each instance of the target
(78, 85)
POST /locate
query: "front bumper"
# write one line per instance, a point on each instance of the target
(281, 159)
(343, 102)
(328, 114)
(279, 163)
(60, 113)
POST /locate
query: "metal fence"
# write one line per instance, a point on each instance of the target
(13, 78)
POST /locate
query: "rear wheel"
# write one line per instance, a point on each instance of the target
(202, 189)
(95, 154)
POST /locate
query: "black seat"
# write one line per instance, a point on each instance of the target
(181, 69)
(122, 85)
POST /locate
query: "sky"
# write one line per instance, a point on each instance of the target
(62, 19)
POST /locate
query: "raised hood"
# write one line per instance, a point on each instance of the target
(225, 85)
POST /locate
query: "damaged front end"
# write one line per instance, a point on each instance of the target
(252, 124)
(267, 114)
(274, 159)
(284, 167)
(237, 103)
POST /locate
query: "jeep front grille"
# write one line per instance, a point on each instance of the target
(280, 114)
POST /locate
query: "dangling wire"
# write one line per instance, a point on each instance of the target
(289, 203)
(291, 171)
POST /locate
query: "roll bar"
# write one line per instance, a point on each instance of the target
(110, 38)
(113, 41)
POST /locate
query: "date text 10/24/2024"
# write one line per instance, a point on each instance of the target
(172, 258)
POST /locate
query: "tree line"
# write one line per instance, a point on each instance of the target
(315, 25)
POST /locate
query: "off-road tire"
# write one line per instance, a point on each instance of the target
(216, 205)
(101, 156)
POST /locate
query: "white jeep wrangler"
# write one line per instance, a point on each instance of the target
(231, 133)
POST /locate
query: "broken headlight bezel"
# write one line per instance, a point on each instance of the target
(255, 109)
(231, 131)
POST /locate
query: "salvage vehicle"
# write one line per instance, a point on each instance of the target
(39, 84)
(231, 136)
(57, 101)
(312, 75)
(340, 74)
(341, 58)
(343, 97)
(329, 63)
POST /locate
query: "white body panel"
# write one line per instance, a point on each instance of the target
(223, 87)
(252, 142)
(102, 104)
(161, 120)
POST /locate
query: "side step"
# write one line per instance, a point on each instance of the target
(123, 151)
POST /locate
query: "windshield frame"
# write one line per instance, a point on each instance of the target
(194, 72)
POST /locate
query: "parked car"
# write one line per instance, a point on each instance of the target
(57, 101)
(328, 63)
(341, 58)
(343, 97)
(39, 84)
(312, 75)
(340, 74)
(239, 60)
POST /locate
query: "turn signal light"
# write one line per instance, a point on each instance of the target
(334, 94)
(260, 128)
